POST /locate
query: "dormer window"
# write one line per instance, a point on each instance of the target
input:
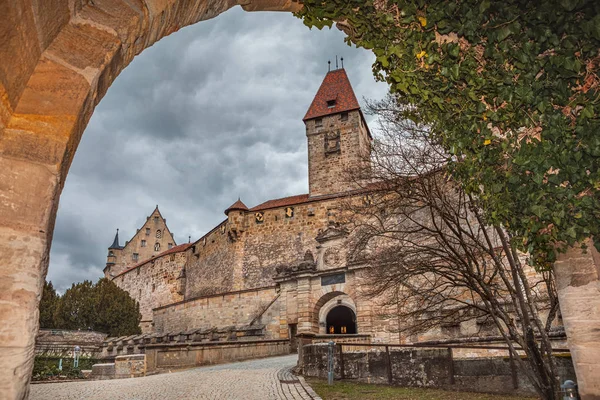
(330, 103)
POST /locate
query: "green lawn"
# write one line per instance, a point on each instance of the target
(363, 391)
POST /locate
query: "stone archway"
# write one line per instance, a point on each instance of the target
(58, 59)
(341, 320)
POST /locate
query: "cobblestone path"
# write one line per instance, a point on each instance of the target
(264, 379)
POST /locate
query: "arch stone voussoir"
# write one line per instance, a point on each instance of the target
(57, 60)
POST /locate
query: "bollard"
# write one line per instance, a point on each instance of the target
(569, 390)
(76, 352)
(330, 363)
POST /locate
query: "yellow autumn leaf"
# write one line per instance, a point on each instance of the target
(486, 142)
(422, 54)
(423, 21)
(484, 117)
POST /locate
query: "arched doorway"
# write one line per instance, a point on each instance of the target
(341, 320)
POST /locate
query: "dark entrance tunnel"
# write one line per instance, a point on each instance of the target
(341, 320)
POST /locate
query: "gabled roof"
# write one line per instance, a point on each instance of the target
(335, 87)
(238, 205)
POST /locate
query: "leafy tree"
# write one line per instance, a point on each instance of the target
(48, 304)
(103, 307)
(76, 308)
(512, 92)
(116, 312)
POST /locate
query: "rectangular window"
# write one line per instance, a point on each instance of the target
(333, 279)
(147, 231)
(135, 256)
(319, 122)
(330, 103)
(344, 116)
(170, 245)
(143, 243)
(155, 219)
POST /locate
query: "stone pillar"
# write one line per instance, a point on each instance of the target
(578, 285)
(27, 211)
(304, 306)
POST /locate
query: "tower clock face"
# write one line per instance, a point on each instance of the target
(259, 217)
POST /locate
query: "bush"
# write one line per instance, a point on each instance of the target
(46, 368)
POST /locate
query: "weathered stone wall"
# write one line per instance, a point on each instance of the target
(219, 311)
(154, 284)
(58, 342)
(327, 169)
(210, 267)
(418, 367)
(160, 356)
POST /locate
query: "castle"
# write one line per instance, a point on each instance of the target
(282, 266)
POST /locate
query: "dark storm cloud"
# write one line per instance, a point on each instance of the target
(208, 114)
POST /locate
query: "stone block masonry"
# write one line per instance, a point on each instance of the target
(422, 367)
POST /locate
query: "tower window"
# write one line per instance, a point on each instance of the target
(330, 103)
(111, 254)
(135, 256)
(143, 243)
(344, 116)
(319, 122)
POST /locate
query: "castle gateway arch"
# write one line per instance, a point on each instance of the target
(57, 60)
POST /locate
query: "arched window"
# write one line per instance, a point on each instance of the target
(158, 234)
(156, 246)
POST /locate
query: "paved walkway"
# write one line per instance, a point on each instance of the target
(268, 378)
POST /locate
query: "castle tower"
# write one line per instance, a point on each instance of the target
(338, 137)
(151, 239)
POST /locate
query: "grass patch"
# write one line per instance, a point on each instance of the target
(363, 391)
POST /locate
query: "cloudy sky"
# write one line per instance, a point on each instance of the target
(207, 114)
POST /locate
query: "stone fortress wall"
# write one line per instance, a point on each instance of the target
(283, 265)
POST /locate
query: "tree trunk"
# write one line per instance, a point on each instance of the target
(578, 286)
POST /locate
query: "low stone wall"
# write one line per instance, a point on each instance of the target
(136, 344)
(424, 367)
(131, 366)
(174, 356)
(60, 343)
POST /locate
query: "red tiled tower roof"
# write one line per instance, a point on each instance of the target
(336, 88)
(238, 205)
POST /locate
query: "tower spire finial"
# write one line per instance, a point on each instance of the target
(328, 65)
(336, 62)
(342, 62)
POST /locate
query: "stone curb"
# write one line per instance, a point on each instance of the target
(308, 389)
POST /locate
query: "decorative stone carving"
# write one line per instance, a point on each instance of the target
(306, 265)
